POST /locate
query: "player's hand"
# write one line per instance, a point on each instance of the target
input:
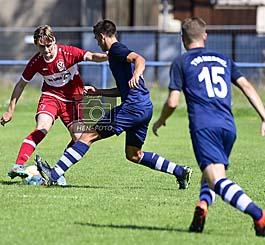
(134, 82)
(7, 116)
(90, 90)
(157, 125)
(262, 129)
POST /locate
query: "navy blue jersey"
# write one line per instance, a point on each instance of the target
(206, 79)
(123, 72)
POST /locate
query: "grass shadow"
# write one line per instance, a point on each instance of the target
(132, 227)
(88, 186)
(10, 182)
(99, 187)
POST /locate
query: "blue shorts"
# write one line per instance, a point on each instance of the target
(212, 145)
(133, 121)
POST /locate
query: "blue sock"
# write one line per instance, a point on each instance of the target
(234, 195)
(154, 161)
(71, 156)
(206, 194)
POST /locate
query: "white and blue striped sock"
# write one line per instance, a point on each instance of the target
(154, 161)
(206, 194)
(71, 156)
(234, 195)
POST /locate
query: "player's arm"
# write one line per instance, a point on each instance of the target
(139, 66)
(254, 99)
(112, 92)
(96, 57)
(169, 107)
(17, 91)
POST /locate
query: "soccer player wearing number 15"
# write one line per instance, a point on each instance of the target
(205, 79)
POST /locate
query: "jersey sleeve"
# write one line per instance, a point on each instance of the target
(29, 71)
(235, 72)
(78, 53)
(120, 52)
(176, 75)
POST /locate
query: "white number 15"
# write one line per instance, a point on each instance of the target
(214, 78)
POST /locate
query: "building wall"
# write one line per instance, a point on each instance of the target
(66, 13)
(23, 13)
(214, 14)
(133, 12)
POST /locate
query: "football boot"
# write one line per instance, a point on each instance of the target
(45, 171)
(184, 180)
(199, 217)
(259, 225)
(17, 170)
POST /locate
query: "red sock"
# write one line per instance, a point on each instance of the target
(28, 146)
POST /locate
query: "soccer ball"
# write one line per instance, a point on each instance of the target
(34, 177)
(32, 170)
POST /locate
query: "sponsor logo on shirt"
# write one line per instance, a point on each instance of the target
(60, 65)
(61, 78)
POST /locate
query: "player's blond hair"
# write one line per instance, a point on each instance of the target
(193, 28)
(43, 34)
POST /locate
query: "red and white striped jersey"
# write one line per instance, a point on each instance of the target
(61, 76)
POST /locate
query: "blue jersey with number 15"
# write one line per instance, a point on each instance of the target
(205, 79)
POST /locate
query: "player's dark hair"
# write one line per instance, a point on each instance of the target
(105, 26)
(42, 34)
(193, 28)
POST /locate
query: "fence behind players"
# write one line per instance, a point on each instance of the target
(242, 43)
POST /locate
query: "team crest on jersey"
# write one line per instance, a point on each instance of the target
(60, 65)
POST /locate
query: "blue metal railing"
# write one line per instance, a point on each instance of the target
(104, 66)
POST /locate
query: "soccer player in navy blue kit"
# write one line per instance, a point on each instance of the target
(132, 115)
(205, 79)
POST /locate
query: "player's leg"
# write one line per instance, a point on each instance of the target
(230, 193)
(46, 114)
(75, 135)
(44, 123)
(134, 141)
(71, 156)
(69, 159)
(72, 117)
(204, 141)
(215, 145)
(207, 195)
(135, 123)
(75, 153)
(233, 194)
(207, 198)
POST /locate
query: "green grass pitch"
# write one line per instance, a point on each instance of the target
(113, 201)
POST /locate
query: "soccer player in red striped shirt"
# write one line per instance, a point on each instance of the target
(62, 91)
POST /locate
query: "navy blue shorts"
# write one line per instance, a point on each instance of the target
(212, 145)
(133, 121)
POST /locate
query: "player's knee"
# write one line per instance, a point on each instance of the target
(44, 123)
(76, 137)
(133, 156)
(43, 130)
(89, 137)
